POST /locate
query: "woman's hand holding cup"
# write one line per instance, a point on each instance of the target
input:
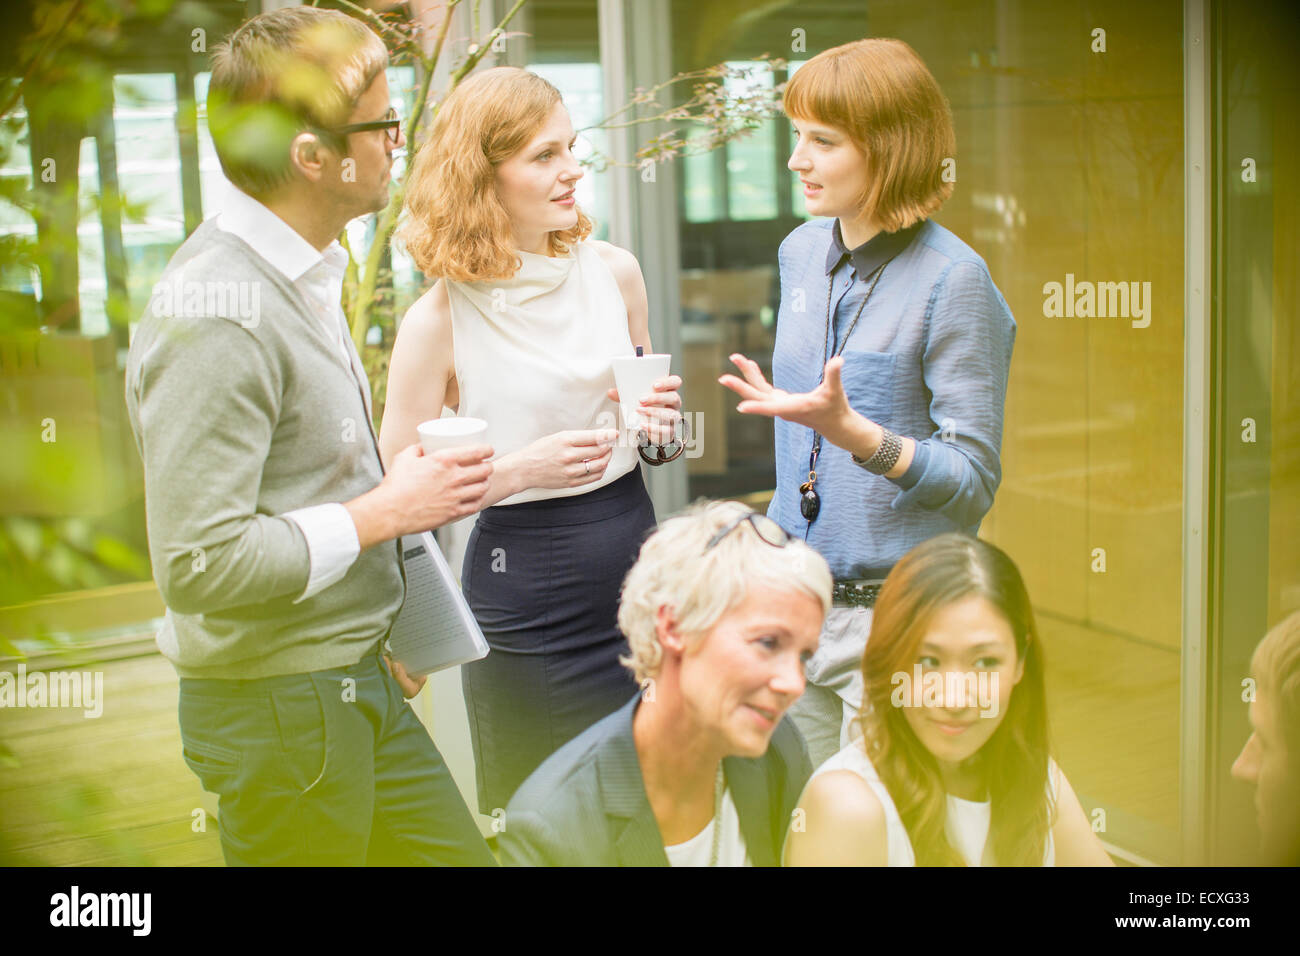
(661, 410)
(568, 459)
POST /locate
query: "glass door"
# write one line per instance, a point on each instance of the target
(1257, 381)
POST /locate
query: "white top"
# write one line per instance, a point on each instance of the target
(966, 826)
(731, 848)
(533, 355)
(331, 535)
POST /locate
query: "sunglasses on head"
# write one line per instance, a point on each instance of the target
(763, 526)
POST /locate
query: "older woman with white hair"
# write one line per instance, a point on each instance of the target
(721, 611)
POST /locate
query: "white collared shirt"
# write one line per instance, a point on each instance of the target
(332, 542)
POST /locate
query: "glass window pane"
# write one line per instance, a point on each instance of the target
(796, 189)
(1260, 436)
(751, 159)
(1069, 170)
(1066, 166)
(15, 177)
(148, 171)
(92, 281)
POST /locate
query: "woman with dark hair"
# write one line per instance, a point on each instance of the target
(952, 765)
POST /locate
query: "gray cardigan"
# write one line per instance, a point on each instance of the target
(241, 415)
(586, 804)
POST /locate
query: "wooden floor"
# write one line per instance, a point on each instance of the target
(106, 791)
(116, 791)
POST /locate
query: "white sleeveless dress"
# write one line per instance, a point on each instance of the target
(533, 355)
(543, 568)
(966, 826)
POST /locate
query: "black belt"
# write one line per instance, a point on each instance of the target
(856, 592)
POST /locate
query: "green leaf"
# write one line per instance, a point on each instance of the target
(119, 556)
(9, 649)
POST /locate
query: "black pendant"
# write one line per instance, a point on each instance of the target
(809, 503)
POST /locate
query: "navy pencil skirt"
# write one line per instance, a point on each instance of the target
(543, 580)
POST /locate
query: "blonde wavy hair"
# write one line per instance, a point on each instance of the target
(456, 226)
(701, 585)
(880, 92)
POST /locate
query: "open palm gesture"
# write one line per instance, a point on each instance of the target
(825, 409)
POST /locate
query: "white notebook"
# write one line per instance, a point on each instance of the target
(435, 629)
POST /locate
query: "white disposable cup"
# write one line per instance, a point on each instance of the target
(439, 434)
(635, 377)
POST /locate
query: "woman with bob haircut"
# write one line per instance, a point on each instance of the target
(721, 611)
(892, 349)
(952, 764)
(519, 330)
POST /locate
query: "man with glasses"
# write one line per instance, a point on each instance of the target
(274, 532)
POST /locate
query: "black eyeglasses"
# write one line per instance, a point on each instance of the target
(763, 526)
(390, 123)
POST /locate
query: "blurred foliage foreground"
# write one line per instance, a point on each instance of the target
(72, 517)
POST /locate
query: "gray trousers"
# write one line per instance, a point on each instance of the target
(827, 711)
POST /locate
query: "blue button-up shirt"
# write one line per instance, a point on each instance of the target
(928, 359)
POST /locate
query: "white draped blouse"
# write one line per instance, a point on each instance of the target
(533, 355)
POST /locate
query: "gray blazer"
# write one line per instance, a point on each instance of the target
(586, 805)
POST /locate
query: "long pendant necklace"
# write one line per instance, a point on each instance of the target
(810, 504)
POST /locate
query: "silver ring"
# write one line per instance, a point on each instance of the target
(586, 466)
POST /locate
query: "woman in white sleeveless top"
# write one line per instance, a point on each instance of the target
(951, 763)
(520, 330)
